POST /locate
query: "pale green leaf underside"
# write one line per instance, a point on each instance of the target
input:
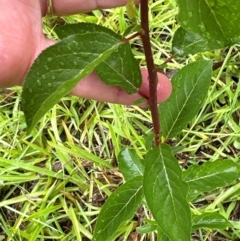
(60, 67)
(166, 192)
(120, 207)
(190, 87)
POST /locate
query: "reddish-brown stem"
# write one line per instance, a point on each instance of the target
(152, 73)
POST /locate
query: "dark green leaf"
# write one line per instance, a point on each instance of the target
(190, 87)
(65, 31)
(119, 207)
(211, 175)
(130, 164)
(185, 43)
(60, 67)
(166, 192)
(209, 220)
(215, 20)
(120, 69)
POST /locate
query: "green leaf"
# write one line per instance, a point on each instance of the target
(166, 192)
(185, 43)
(65, 31)
(130, 164)
(190, 87)
(162, 236)
(215, 20)
(148, 228)
(121, 68)
(60, 67)
(209, 220)
(192, 195)
(120, 207)
(149, 140)
(211, 175)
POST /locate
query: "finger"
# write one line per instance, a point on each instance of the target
(66, 7)
(164, 88)
(93, 88)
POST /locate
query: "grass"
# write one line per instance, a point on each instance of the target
(54, 181)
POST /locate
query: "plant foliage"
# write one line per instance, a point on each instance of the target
(157, 181)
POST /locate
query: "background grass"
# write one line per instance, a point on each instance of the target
(54, 181)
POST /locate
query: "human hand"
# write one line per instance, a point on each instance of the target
(22, 40)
